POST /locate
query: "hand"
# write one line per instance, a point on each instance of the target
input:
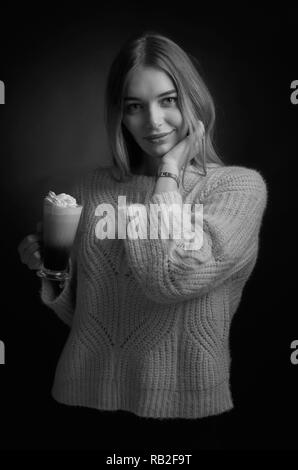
(183, 152)
(30, 249)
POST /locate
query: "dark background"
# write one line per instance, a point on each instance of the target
(54, 63)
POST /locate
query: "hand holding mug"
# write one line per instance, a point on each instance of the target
(30, 249)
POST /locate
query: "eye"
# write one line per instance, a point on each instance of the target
(130, 108)
(134, 107)
(169, 98)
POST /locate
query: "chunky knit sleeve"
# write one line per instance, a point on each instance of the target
(233, 207)
(64, 303)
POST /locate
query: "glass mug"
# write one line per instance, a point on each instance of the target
(59, 230)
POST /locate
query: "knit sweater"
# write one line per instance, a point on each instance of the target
(149, 319)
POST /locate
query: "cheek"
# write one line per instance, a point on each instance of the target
(175, 118)
(126, 123)
(183, 130)
(132, 126)
(178, 122)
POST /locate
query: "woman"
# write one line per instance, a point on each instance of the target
(150, 317)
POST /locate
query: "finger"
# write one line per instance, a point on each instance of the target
(22, 245)
(34, 237)
(200, 129)
(34, 259)
(27, 241)
(34, 262)
(28, 245)
(29, 252)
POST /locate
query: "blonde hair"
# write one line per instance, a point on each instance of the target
(194, 99)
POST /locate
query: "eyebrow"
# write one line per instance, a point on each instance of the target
(158, 96)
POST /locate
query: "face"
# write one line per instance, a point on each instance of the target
(151, 107)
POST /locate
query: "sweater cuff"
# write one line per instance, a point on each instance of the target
(58, 303)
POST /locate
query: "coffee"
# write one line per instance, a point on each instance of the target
(60, 223)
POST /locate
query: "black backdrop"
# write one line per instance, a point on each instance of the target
(54, 64)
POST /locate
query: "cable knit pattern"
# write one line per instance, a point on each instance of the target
(149, 320)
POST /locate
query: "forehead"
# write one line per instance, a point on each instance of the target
(148, 82)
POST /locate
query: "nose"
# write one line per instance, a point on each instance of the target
(154, 117)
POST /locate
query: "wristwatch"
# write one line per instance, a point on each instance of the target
(169, 175)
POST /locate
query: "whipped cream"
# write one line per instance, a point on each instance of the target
(61, 200)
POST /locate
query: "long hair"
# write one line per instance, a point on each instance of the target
(194, 99)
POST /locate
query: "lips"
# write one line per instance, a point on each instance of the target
(157, 136)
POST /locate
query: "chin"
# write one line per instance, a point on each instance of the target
(161, 150)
